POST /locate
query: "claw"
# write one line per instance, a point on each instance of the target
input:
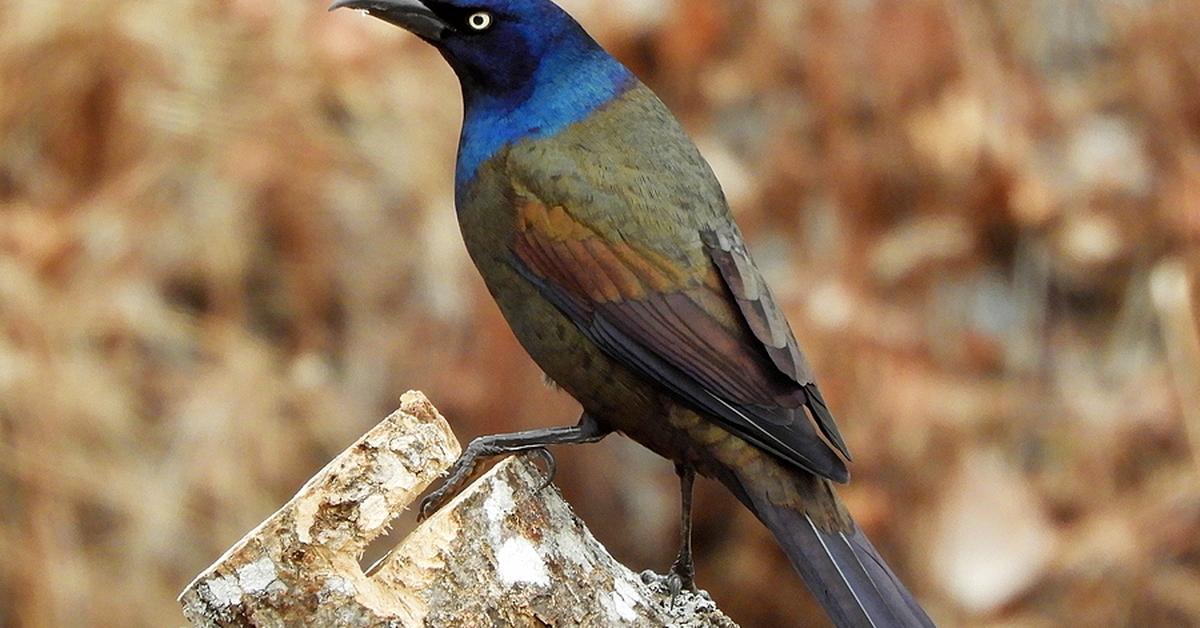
(432, 503)
(675, 581)
(429, 506)
(682, 577)
(442, 495)
(674, 587)
(551, 466)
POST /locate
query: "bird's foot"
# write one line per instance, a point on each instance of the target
(465, 467)
(532, 441)
(681, 578)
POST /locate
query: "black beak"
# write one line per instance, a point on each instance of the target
(411, 15)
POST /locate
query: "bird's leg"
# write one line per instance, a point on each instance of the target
(683, 570)
(533, 441)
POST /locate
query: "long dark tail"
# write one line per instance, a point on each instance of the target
(841, 568)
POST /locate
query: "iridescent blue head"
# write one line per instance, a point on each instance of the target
(527, 68)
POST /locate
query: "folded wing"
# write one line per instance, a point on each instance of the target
(709, 333)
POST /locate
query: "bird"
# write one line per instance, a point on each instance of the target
(608, 244)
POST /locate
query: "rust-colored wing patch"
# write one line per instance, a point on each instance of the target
(677, 325)
(560, 248)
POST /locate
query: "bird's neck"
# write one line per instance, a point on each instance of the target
(569, 83)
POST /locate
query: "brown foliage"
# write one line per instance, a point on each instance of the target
(227, 246)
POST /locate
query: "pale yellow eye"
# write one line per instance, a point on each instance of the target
(480, 21)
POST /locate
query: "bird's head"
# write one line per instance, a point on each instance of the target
(495, 46)
(527, 69)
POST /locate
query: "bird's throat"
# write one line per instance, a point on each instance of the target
(567, 86)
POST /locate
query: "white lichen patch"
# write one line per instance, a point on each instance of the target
(379, 436)
(571, 546)
(373, 513)
(624, 599)
(391, 474)
(499, 503)
(224, 591)
(414, 455)
(420, 443)
(257, 576)
(335, 588)
(403, 443)
(518, 562)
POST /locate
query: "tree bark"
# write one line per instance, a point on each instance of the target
(502, 553)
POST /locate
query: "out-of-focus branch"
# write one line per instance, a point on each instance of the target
(501, 553)
(1171, 287)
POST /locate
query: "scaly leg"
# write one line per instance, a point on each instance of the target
(683, 570)
(532, 441)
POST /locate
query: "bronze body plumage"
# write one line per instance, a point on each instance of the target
(662, 266)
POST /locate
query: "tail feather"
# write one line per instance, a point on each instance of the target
(883, 577)
(842, 570)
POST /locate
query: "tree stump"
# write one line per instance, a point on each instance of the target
(502, 553)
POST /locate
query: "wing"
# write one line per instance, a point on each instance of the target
(768, 323)
(703, 325)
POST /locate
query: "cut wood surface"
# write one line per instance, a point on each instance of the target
(502, 553)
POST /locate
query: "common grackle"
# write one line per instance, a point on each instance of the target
(609, 246)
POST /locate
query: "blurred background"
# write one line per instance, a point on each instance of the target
(227, 246)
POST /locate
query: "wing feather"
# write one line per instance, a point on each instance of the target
(711, 335)
(768, 323)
